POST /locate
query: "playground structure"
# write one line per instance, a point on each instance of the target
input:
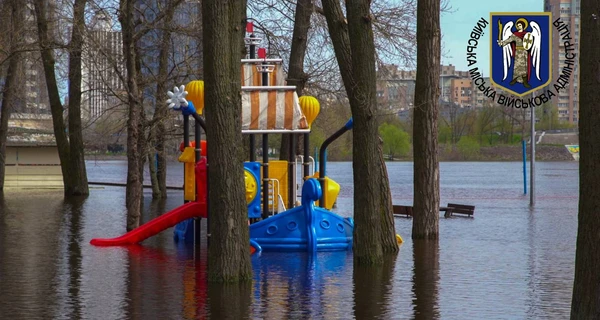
(277, 223)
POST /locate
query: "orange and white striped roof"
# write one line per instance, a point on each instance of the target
(272, 108)
(251, 77)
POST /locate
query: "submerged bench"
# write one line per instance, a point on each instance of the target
(406, 211)
(451, 209)
(462, 209)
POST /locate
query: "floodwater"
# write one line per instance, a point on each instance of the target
(509, 262)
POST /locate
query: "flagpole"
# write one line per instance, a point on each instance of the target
(532, 161)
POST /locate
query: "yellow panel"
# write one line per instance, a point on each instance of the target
(188, 155)
(278, 169)
(189, 182)
(332, 190)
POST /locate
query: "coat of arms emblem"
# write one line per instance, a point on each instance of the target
(521, 51)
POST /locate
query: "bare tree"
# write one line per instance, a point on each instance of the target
(296, 75)
(425, 126)
(223, 25)
(486, 122)
(70, 147)
(158, 171)
(133, 198)
(586, 287)
(354, 47)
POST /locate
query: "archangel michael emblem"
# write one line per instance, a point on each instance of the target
(520, 53)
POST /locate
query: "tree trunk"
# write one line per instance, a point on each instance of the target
(223, 26)
(11, 84)
(153, 176)
(56, 107)
(586, 287)
(296, 75)
(79, 183)
(161, 111)
(390, 244)
(355, 52)
(134, 190)
(425, 127)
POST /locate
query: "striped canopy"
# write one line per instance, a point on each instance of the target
(272, 109)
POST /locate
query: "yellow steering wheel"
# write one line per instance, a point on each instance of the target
(251, 186)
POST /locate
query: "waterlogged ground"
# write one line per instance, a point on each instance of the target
(509, 262)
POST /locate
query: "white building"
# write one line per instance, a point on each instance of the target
(103, 69)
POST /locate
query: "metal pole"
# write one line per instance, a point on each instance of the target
(532, 165)
(323, 158)
(202, 124)
(186, 139)
(291, 171)
(306, 156)
(252, 138)
(197, 221)
(265, 145)
(524, 166)
(252, 143)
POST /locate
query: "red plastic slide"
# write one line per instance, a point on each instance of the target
(154, 226)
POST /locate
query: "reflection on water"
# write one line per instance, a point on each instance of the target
(372, 286)
(426, 271)
(507, 262)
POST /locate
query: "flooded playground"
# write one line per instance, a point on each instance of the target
(508, 262)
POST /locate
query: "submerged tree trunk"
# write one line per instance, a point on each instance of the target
(355, 52)
(229, 255)
(389, 244)
(56, 106)
(134, 192)
(77, 169)
(426, 274)
(11, 84)
(425, 127)
(296, 75)
(372, 287)
(153, 177)
(70, 149)
(586, 287)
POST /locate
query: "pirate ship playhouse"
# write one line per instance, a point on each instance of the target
(277, 221)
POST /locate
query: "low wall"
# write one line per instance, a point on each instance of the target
(560, 138)
(33, 167)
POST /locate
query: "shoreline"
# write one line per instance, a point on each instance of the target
(512, 153)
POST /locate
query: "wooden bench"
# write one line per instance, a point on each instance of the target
(454, 208)
(406, 211)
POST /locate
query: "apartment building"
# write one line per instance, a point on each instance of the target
(568, 100)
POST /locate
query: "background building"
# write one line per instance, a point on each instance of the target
(102, 66)
(396, 90)
(462, 91)
(30, 123)
(568, 100)
(185, 58)
(36, 103)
